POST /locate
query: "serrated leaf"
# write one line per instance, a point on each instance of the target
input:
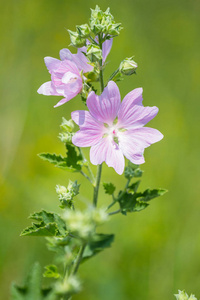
(148, 194)
(51, 272)
(109, 188)
(32, 289)
(72, 162)
(98, 244)
(130, 203)
(50, 224)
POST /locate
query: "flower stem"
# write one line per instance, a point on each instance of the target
(78, 259)
(99, 168)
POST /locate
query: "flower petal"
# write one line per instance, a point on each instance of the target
(130, 100)
(109, 152)
(146, 136)
(136, 116)
(79, 59)
(104, 108)
(65, 54)
(61, 102)
(51, 63)
(106, 47)
(86, 138)
(47, 89)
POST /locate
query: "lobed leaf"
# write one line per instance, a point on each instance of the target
(109, 188)
(50, 224)
(98, 244)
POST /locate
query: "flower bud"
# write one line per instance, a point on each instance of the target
(182, 295)
(128, 66)
(94, 53)
(67, 125)
(114, 29)
(66, 137)
(83, 30)
(69, 286)
(76, 40)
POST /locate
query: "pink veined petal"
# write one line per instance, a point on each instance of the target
(47, 89)
(131, 149)
(106, 47)
(145, 136)
(85, 121)
(131, 99)
(137, 116)
(65, 54)
(104, 108)
(61, 102)
(108, 151)
(86, 137)
(51, 63)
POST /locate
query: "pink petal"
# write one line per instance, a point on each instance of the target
(65, 54)
(47, 89)
(146, 136)
(61, 102)
(106, 47)
(84, 119)
(104, 108)
(130, 100)
(51, 63)
(109, 152)
(86, 137)
(136, 116)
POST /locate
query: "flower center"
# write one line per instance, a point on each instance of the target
(113, 132)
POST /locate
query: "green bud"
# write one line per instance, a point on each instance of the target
(114, 29)
(66, 137)
(182, 295)
(83, 30)
(94, 53)
(76, 40)
(128, 66)
(67, 125)
(69, 286)
(96, 13)
(66, 195)
(192, 297)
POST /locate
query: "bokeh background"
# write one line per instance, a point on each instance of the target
(156, 252)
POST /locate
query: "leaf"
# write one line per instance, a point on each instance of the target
(148, 194)
(109, 188)
(51, 272)
(98, 244)
(72, 162)
(130, 203)
(50, 224)
(132, 171)
(133, 187)
(32, 289)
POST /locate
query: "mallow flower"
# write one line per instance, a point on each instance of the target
(114, 129)
(66, 77)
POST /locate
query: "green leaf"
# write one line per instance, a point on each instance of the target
(99, 243)
(148, 194)
(51, 272)
(50, 224)
(132, 171)
(133, 187)
(72, 162)
(130, 203)
(32, 289)
(109, 188)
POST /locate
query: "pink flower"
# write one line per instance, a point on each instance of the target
(66, 80)
(114, 129)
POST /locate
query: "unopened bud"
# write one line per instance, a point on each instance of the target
(128, 66)
(67, 125)
(182, 295)
(76, 40)
(94, 53)
(83, 30)
(70, 286)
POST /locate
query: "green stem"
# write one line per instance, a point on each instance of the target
(99, 168)
(114, 74)
(115, 212)
(96, 188)
(78, 259)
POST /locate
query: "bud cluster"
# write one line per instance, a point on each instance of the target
(67, 127)
(66, 195)
(182, 295)
(83, 224)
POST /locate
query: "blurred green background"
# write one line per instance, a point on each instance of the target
(156, 252)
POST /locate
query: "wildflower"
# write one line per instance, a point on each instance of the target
(66, 77)
(114, 129)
